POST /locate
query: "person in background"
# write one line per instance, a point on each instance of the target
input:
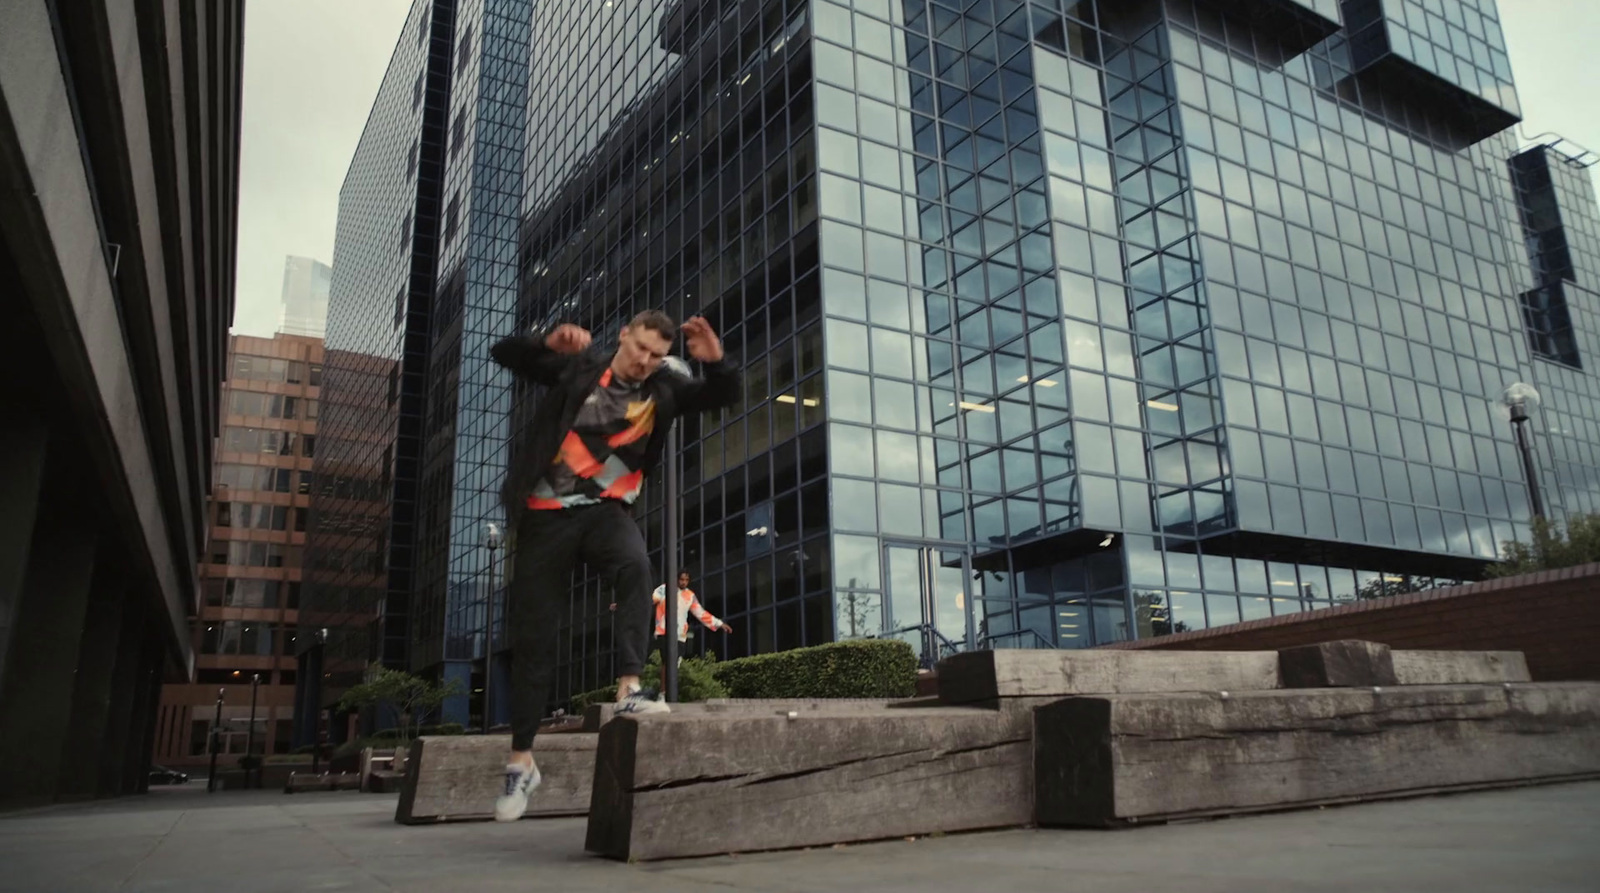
(688, 604)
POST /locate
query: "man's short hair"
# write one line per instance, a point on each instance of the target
(657, 322)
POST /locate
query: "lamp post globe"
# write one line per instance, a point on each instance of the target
(1519, 398)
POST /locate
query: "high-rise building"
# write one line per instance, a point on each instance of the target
(1064, 321)
(414, 428)
(304, 308)
(247, 621)
(119, 163)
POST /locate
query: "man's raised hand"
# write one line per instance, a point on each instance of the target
(704, 345)
(568, 339)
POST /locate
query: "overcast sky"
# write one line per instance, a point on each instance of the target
(312, 68)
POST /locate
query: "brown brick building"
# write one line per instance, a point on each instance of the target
(250, 573)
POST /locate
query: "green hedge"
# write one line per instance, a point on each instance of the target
(860, 668)
(696, 682)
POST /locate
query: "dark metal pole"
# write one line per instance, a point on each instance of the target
(216, 741)
(488, 636)
(669, 527)
(250, 734)
(1519, 423)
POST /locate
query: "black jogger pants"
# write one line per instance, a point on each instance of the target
(550, 543)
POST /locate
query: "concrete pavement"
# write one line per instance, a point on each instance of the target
(183, 841)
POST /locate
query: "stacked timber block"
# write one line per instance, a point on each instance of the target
(686, 785)
(1348, 721)
(1089, 738)
(702, 783)
(452, 778)
(455, 778)
(597, 715)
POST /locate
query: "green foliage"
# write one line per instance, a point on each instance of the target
(696, 682)
(582, 700)
(1152, 618)
(410, 697)
(1553, 547)
(1385, 585)
(859, 668)
(444, 728)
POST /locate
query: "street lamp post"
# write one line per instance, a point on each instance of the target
(491, 540)
(250, 734)
(669, 551)
(216, 741)
(1519, 398)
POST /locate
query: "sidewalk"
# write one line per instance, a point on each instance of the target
(181, 840)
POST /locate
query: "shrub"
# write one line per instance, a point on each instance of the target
(444, 728)
(582, 700)
(863, 668)
(697, 681)
(409, 697)
(860, 668)
(386, 735)
(1554, 546)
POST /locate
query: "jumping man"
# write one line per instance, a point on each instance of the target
(597, 432)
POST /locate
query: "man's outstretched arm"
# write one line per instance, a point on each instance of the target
(541, 356)
(722, 383)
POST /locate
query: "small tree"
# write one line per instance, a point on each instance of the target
(1385, 585)
(1152, 616)
(410, 697)
(1553, 547)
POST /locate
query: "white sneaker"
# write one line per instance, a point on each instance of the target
(521, 782)
(642, 700)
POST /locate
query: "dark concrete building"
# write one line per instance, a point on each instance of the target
(119, 132)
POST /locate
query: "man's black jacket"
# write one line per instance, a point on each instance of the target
(569, 378)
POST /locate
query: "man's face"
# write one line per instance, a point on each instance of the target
(640, 352)
(683, 581)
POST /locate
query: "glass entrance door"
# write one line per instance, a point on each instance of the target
(929, 605)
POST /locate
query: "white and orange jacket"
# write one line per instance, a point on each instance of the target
(687, 604)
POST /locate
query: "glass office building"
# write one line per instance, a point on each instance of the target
(1068, 322)
(413, 432)
(1063, 322)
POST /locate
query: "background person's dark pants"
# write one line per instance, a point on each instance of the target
(550, 543)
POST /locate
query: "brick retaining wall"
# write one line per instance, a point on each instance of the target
(1552, 617)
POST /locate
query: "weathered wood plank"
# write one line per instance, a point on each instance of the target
(685, 785)
(984, 675)
(597, 715)
(1111, 760)
(452, 778)
(1338, 664)
(1444, 667)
